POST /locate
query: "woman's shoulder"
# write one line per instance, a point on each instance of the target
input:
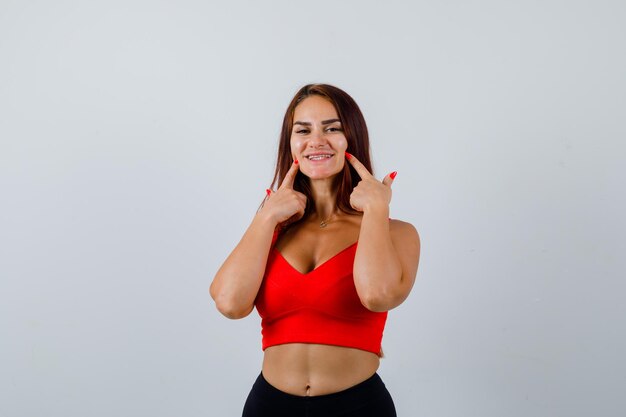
(401, 230)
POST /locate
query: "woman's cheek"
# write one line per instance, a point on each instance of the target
(342, 144)
(296, 146)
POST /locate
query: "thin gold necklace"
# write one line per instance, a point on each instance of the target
(324, 223)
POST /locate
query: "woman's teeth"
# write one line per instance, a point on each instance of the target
(318, 157)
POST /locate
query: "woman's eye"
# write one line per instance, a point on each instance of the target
(302, 131)
(334, 129)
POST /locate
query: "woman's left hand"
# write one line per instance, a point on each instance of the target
(369, 192)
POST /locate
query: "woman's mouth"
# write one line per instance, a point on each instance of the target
(319, 157)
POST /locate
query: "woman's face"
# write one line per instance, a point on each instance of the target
(317, 138)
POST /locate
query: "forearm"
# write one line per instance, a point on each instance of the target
(238, 280)
(377, 268)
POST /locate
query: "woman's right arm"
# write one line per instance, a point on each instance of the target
(238, 280)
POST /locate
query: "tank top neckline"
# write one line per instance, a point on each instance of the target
(323, 264)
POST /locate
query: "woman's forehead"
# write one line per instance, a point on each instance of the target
(315, 108)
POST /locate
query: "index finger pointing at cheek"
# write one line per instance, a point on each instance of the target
(358, 166)
(290, 176)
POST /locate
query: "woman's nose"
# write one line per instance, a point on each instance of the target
(317, 138)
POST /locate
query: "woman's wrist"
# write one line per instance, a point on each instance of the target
(265, 219)
(377, 210)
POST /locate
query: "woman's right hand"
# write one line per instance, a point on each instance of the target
(285, 205)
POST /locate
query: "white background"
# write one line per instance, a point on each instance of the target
(137, 139)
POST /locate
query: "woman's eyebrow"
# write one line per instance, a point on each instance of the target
(324, 122)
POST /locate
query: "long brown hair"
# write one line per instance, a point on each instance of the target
(355, 131)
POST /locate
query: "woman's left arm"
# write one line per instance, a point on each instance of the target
(387, 255)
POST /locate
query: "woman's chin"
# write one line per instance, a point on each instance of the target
(318, 176)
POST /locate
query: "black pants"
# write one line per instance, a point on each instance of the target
(370, 398)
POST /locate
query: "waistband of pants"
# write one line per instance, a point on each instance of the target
(362, 392)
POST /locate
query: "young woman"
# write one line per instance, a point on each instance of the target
(323, 263)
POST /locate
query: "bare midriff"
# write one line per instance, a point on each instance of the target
(310, 369)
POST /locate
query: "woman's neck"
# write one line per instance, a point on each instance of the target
(324, 197)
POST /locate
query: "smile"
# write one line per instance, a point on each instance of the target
(318, 157)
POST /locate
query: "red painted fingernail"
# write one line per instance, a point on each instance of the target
(296, 161)
(393, 175)
(268, 191)
(348, 156)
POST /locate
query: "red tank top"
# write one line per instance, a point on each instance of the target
(321, 306)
